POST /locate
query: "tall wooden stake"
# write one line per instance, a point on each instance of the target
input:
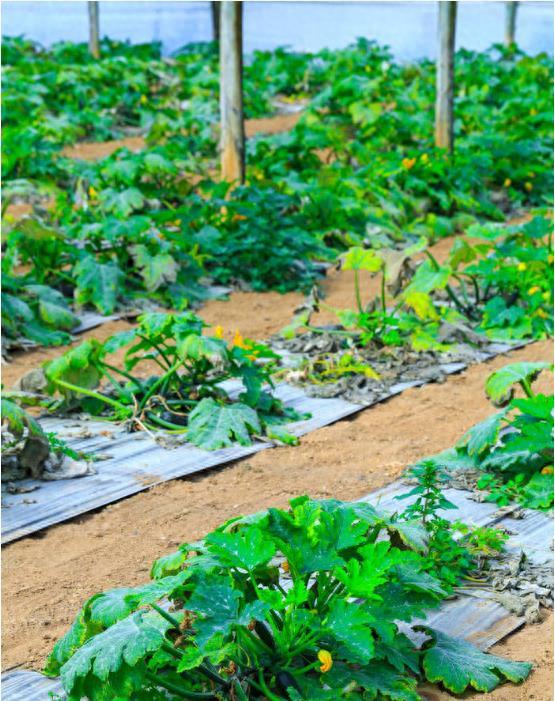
(510, 22)
(231, 91)
(445, 74)
(215, 9)
(94, 42)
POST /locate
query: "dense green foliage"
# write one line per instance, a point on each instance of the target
(299, 604)
(513, 447)
(359, 169)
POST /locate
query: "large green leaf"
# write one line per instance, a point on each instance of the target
(483, 435)
(156, 164)
(77, 366)
(246, 548)
(412, 534)
(213, 426)
(98, 283)
(127, 642)
(379, 680)
(411, 577)
(459, 665)
(194, 346)
(156, 270)
(499, 384)
(36, 229)
(81, 630)
(350, 625)
(121, 203)
(168, 564)
(538, 493)
(362, 578)
(428, 278)
(18, 419)
(57, 315)
(220, 608)
(358, 258)
(306, 544)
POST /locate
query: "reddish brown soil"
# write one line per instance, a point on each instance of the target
(91, 151)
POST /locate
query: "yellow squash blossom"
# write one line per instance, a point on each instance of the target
(325, 658)
(547, 470)
(239, 341)
(285, 566)
(408, 163)
(541, 313)
(218, 332)
(507, 182)
(424, 158)
(533, 290)
(528, 187)
(521, 267)
(92, 192)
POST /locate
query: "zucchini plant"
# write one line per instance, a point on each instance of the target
(304, 603)
(513, 448)
(496, 283)
(186, 396)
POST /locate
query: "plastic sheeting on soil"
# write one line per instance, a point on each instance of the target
(474, 614)
(138, 462)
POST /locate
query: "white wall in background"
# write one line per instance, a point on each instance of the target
(408, 27)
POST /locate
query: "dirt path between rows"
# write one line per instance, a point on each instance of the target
(91, 150)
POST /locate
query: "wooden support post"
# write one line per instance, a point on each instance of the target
(231, 92)
(510, 22)
(445, 77)
(215, 9)
(94, 41)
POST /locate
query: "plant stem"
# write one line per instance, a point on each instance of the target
(90, 393)
(125, 374)
(175, 428)
(456, 301)
(155, 345)
(357, 293)
(159, 382)
(155, 679)
(257, 641)
(238, 689)
(204, 668)
(527, 388)
(166, 615)
(269, 695)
